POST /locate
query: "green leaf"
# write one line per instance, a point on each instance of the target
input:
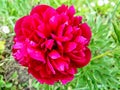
(8, 85)
(114, 36)
(2, 70)
(117, 31)
(14, 75)
(2, 46)
(14, 88)
(2, 83)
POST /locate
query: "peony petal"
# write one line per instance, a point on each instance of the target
(40, 34)
(62, 9)
(72, 70)
(71, 11)
(67, 79)
(50, 12)
(51, 67)
(77, 20)
(28, 26)
(61, 67)
(54, 54)
(62, 39)
(48, 30)
(65, 38)
(54, 20)
(68, 31)
(49, 44)
(60, 30)
(18, 24)
(86, 32)
(60, 64)
(18, 45)
(88, 55)
(82, 40)
(39, 9)
(64, 19)
(42, 71)
(32, 43)
(60, 47)
(70, 46)
(81, 61)
(18, 55)
(35, 54)
(40, 30)
(76, 32)
(36, 20)
(73, 56)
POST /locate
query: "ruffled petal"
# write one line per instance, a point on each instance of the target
(82, 40)
(86, 32)
(81, 61)
(50, 67)
(54, 54)
(49, 44)
(18, 27)
(77, 20)
(70, 46)
(60, 64)
(54, 21)
(39, 9)
(35, 54)
(67, 79)
(71, 11)
(62, 9)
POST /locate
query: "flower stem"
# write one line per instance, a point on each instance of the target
(106, 53)
(101, 55)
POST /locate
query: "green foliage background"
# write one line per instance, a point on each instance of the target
(102, 73)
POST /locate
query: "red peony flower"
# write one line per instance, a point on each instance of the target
(52, 43)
